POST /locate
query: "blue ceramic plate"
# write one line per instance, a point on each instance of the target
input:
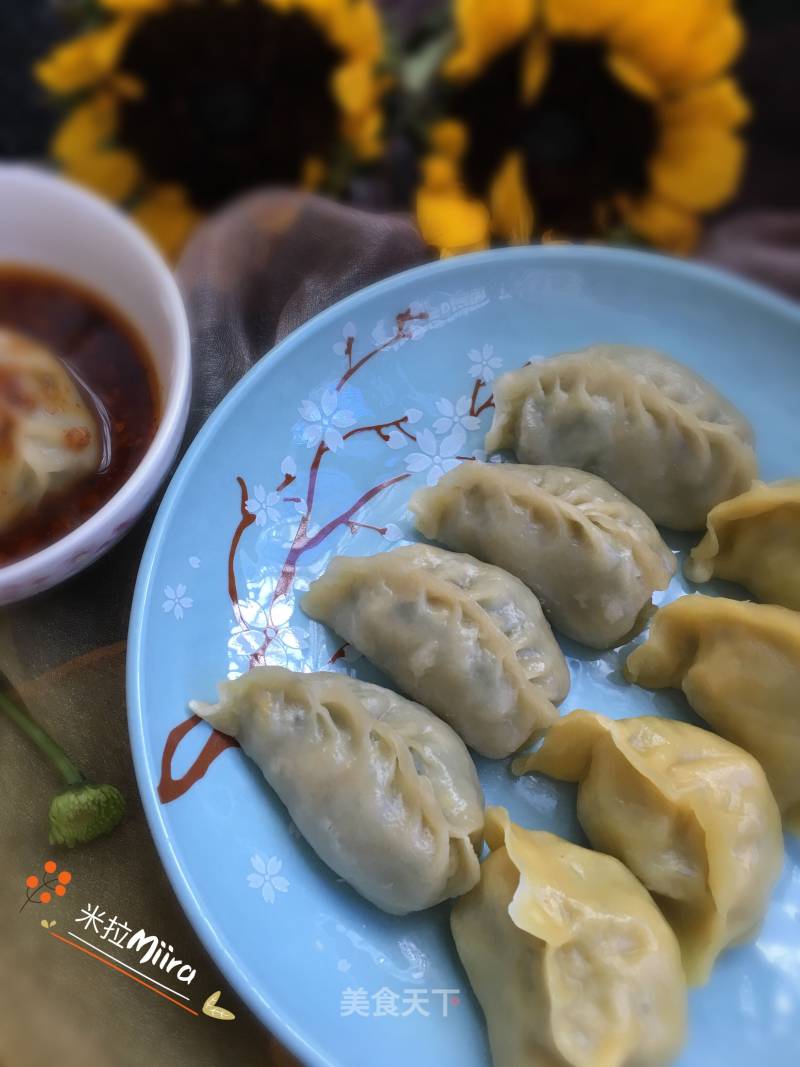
(315, 453)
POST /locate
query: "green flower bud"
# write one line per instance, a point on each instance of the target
(83, 812)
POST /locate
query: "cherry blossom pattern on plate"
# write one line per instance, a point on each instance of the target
(264, 506)
(399, 438)
(278, 514)
(436, 457)
(176, 602)
(390, 530)
(455, 414)
(325, 420)
(262, 610)
(258, 620)
(415, 324)
(266, 876)
(483, 363)
(345, 346)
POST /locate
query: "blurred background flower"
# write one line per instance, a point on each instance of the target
(174, 106)
(583, 119)
(492, 121)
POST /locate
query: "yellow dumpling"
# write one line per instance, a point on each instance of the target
(754, 539)
(572, 962)
(689, 813)
(739, 665)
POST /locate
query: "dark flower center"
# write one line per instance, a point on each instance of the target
(582, 140)
(235, 95)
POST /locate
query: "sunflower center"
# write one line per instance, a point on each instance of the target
(235, 95)
(584, 138)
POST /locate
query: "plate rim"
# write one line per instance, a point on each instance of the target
(179, 877)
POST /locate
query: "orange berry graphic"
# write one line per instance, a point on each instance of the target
(50, 866)
(31, 881)
(45, 898)
(64, 877)
(60, 890)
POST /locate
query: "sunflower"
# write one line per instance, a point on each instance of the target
(584, 118)
(176, 105)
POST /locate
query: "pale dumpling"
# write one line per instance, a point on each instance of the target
(49, 438)
(467, 640)
(570, 959)
(754, 539)
(651, 427)
(739, 665)
(383, 791)
(688, 812)
(591, 556)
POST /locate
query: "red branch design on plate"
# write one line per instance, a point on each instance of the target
(170, 788)
(488, 402)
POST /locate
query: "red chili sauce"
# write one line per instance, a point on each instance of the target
(111, 366)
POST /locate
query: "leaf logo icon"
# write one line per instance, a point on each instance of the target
(210, 1008)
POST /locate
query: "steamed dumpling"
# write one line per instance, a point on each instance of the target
(48, 437)
(651, 427)
(739, 666)
(467, 640)
(689, 813)
(592, 557)
(754, 540)
(383, 791)
(572, 962)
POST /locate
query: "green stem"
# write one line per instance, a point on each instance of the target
(53, 751)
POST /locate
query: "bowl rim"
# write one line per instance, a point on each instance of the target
(102, 525)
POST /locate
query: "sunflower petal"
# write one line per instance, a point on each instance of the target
(679, 44)
(668, 227)
(354, 86)
(354, 26)
(144, 7)
(86, 60)
(449, 137)
(697, 168)
(113, 174)
(363, 132)
(85, 128)
(440, 174)
(535, 67)
(632, 76)
(484, 30)
(720, 103)
(452, 221)
(584, 18)
(509, 203)
(313, 173)
(168, 217)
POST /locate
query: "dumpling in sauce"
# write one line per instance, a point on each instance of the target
(591, 556)
(571, 961)
(467, 640)
(689, 813)
(383, 791)
(650, 426)
(49, 439)
(754, 540)
(739, 666)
